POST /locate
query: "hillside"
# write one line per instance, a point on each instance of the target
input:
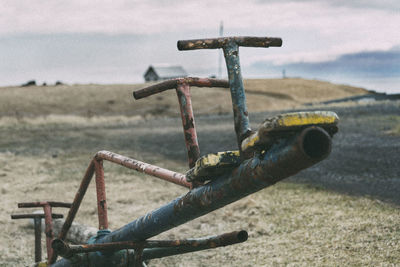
(96, 100)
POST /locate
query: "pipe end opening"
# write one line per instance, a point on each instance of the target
(316, 142)
(242, 236)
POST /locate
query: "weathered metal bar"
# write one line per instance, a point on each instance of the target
(34, 215)
(37, 220)
(196, 245)
(38, 238)
(101, 195)
(214, 43)
(240, 113)
(188, 123)
(43, 203)
(230, 45)
(152, 249)
(170, 176)
(65, 250)
(75, 205)
(48, 230)
(172, 84)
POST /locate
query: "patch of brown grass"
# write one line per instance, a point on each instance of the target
(116, 100)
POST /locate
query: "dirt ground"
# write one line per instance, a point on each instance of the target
(343, 211)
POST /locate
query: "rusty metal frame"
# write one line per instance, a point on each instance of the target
(37, 218)
(230, 46)
(129, 244)
(96, 168)
(182, 87)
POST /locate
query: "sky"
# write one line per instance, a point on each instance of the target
(351, 42)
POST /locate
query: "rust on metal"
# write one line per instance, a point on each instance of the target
(48, 230)
(153, 248)
(285, 125)
(174, 177)
(75, 205)
(182, 86)
(214, 43)
(230, 46)
(189, 128)
(173, 83)
(101, 195)
(213, 165)
(53, 204)
(48, 216)
(35, 215)
(37, 220)
(38, 238)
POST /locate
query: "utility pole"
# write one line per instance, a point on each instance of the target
(221, 33)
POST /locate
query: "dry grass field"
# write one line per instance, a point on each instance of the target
(49, 134)
(117, 100)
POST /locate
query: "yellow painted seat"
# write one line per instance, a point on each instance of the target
(286, 124)
(213, 165)
(272, 129)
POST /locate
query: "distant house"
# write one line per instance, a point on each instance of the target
(163, 72)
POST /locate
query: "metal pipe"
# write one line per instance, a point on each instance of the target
(48, 230)
(214, 43)
(240, 114)
(196, 245)
(152, 249)
(189, 128)
(54, 204)
(230, 45)
(170, 176)
(101, 195)
(75, 205)
(34, 215)
(172, 84)
(283, 159)
(38, 239)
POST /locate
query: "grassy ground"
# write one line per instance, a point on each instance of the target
(117, 100)
(44, 158)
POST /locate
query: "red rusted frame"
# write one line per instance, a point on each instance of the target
(75, 205)
(172, 84)
(96, 167)
(37, 220)
(47, 209)
(170, 176)
(48, 230)
(101, 195)
(182, 86)
(189, 128)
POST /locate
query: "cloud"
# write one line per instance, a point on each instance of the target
(367, 63)
(389, 5)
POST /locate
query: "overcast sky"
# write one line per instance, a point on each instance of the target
(114, 41)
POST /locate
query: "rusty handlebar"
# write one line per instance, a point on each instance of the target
(214, 43)
(172, 84)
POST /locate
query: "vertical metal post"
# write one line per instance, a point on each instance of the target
(189, 130)
(38, 239)
(48, 230)
(240, 114)
(101, 195)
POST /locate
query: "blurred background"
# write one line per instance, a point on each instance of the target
(348, 42)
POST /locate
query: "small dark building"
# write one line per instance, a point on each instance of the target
(163, 72)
